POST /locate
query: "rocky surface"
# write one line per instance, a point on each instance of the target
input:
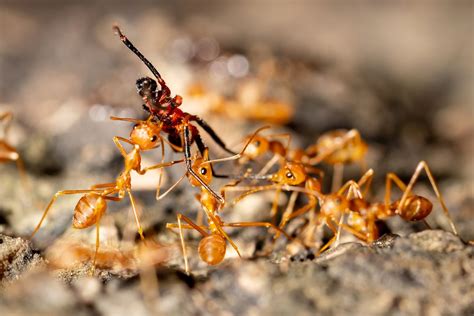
(426, 273)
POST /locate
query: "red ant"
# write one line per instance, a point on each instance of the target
(176, 123)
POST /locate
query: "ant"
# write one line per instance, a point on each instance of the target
(176, 123)
(410, 207)
(212, 247)
(292, 176)
(363, 215)
(93, 204)
(338, 148)
(8, 152)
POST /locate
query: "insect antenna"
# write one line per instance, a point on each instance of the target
(150, 66)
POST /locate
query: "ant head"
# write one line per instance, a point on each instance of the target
(203, 170)
(291, 173)
(146, 87)
(146, 135)
(257, 147)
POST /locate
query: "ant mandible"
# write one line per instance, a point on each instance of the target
(176, 123)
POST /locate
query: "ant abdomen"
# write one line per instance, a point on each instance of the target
(88, 210)
(415, 208)
(212, 249)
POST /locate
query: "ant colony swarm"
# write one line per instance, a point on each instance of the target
(347, 207)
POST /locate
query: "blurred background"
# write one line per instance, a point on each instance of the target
(399, 72)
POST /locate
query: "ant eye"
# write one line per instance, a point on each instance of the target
(203, 171)
(154, 138)
(289, 175)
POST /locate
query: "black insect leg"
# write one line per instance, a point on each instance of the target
(187, 157)
(212, 133)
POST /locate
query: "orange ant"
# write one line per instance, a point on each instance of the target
(8, 152)
(93, 204)
(292, 176)
(363, 215)
(410, 207)
(338, 148)
(212, 247)
(176, 123)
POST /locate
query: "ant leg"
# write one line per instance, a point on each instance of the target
(423, 165)
(356, 233)
(7, 119)
(217, 224)
(97, 243)
(211, 133)
(290, 207)
(189, 167)
(311, 204)
(239, 154)
(392, 177)
(269, 165)
(53, 199)
(184, 226)
(331, 241)
(250, 191)
(117, 140)
(181, 236)
(337, 176)
(161, 171)
(103, 185)
(160, 166)
(171, 188)
(126, 119)
(352, 188)
(366, 180)
(259, 224)
(350, 135)
(135, 213)
(276, 199)
(191, 225)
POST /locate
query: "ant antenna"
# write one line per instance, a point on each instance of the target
(129, 44)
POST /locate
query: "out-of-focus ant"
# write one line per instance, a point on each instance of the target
(93, 204)
(338, 148)
(176, 123)
(8, 152)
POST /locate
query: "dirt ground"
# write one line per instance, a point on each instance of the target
(402, 74)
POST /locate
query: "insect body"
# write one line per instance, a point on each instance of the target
(212, 247)
(176, 123)
(93, 204)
